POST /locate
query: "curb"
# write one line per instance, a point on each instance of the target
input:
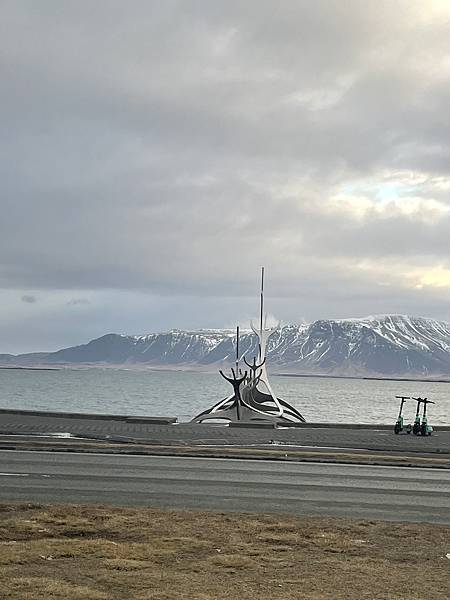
(97, 417)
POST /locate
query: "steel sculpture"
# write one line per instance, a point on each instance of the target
(253, 398)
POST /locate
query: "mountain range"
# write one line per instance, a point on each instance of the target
(388, 345)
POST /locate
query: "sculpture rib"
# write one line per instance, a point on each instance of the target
(263, 336)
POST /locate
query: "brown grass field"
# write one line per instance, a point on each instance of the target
(106, 553)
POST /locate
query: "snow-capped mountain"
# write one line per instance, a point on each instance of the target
(390, 345)
(385, 345)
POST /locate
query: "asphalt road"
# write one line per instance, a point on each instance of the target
(391, 493)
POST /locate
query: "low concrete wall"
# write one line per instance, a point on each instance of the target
(97, 417)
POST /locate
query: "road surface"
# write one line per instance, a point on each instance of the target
(391, 493)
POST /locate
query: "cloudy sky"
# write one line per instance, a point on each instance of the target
(154, 154)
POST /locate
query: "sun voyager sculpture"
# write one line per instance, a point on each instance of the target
(253, 398)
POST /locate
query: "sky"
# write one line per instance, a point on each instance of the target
(153, 155)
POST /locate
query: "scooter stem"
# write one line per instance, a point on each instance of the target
(419, 400)
(402, 399)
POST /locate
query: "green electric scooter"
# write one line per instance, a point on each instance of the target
(416, 426)
(425, 429)
(399, 425)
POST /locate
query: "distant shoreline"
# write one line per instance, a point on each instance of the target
(30, 368)
(361, 377)
(179, 368)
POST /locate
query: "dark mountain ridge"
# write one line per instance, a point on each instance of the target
(387, 345)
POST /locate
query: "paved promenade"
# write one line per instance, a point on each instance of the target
(160, 431)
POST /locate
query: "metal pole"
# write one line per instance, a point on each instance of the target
(237, 349)
(261, 312)
(238, 405)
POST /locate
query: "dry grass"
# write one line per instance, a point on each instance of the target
(104, 553)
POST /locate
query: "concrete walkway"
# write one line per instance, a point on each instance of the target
(163, 431)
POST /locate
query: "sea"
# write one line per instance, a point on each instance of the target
(184, 394)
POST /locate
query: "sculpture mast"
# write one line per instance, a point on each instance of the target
(238, 398)
(261, 312)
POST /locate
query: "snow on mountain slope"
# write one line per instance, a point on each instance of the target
(392, 345)
(386, 345)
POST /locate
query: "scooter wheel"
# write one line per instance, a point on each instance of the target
(396, 429)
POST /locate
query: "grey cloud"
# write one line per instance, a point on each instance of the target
(28, 299)
(148, 148)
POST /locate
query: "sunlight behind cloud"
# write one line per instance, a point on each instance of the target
(397, 193)
(438, 277)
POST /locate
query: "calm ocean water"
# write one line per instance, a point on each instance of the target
(184, 394)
